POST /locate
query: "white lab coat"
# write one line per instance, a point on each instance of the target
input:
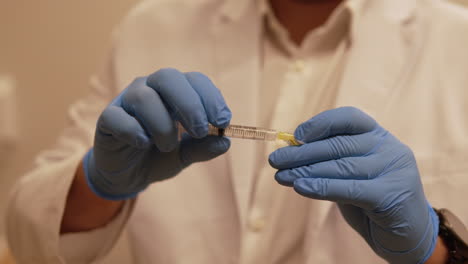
(407, 66)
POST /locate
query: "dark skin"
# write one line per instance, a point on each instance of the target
(301, 16)
(85, 211)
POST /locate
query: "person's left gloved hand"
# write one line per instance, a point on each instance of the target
(349, 159)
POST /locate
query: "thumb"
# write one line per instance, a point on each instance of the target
(196, 150)
(335, 122)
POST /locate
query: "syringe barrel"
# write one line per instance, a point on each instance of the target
(236, 131)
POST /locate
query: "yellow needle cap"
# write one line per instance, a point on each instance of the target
(289, 138)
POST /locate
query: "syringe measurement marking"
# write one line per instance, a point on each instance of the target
(246, 132)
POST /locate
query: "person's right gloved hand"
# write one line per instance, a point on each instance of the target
(136, 141)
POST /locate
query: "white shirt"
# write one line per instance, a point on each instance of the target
(297, 83)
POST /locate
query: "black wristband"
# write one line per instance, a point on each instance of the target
(458, 250)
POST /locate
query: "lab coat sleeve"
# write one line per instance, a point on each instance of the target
(85, 247)
(37, 202)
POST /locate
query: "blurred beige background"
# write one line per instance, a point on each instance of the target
(462, 2)
(51, 47)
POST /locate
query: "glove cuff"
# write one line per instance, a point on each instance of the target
(435, 233)
(423, 250)
(96, 185)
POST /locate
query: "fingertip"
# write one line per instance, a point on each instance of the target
(299, 132)
(142, 141)
(200, 131)
(223, 145)
(216, 145)
(138, 81)
(197, 150)
(272, 160)
(308, 188)
(223, 119)
(283, 158)
(197, 76)
(283, 178)
(313, 129)
(162, 74)
(217, 111)
(298, 187)
(358, 120)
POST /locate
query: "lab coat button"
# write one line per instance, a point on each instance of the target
(257, 225)
(299, 66)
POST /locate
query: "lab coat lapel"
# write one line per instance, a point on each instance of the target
(384, 46)
(237, 50)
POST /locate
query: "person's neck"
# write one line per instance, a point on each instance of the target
(301, 16)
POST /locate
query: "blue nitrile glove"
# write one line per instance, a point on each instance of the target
(349, 159)
(136, 140)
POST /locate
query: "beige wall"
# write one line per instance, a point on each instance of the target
(51, 47)
(462, 2)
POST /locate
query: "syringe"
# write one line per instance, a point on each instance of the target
(247, 132)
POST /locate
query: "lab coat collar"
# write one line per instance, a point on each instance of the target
(385, 46)
(396, 10)
(235, 9)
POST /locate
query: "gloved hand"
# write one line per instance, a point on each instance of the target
(351, 160)
(136, 140)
